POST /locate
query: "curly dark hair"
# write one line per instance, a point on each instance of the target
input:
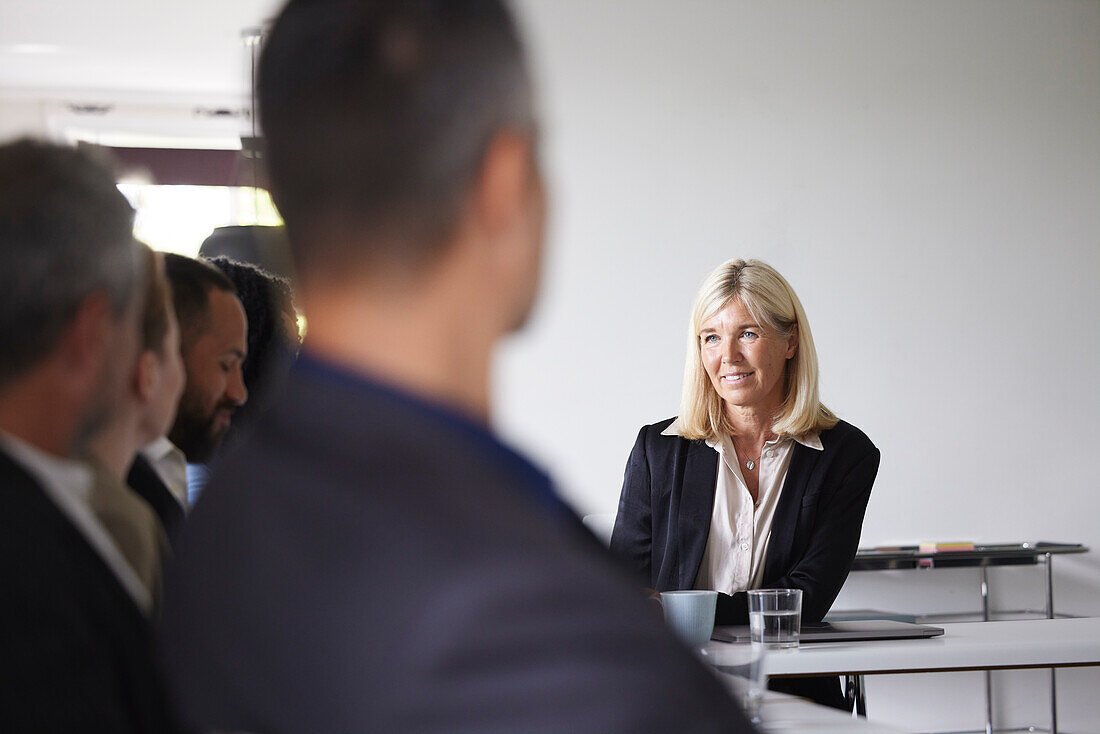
(268, 302)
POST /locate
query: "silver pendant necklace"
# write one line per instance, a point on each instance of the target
(751, 463)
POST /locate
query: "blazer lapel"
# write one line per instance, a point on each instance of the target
(784, 524)
(696, 509)
(144, 480)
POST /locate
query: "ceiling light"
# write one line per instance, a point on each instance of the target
(33, 48)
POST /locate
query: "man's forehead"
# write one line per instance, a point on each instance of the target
(226, 327)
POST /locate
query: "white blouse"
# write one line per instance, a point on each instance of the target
(739, 529)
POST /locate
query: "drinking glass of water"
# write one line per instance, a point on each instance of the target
(774, 617)
(745, 667)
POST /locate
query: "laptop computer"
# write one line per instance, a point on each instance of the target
(846, 631)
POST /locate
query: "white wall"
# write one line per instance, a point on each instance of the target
(927, 176)
(21, 116)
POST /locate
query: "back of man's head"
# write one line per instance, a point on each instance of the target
(191, 281)
(377, 115)
(66, 232)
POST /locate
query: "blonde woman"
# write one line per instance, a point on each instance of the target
(755, 484)
(144, 413)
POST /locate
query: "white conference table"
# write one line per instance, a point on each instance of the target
(1032, 643)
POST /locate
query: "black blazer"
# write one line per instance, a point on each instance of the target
(668, 499)
(144, 480)
(76, 650)
(361, 563)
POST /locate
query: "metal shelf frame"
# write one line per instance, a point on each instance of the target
(983, 557)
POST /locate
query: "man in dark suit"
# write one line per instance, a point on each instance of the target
(73, 633)
(372, 557)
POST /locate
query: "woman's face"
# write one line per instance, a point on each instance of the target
(745, 361)
(160, 412)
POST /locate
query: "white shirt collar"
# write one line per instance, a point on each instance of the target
(68, 484)
(158, 449)
(72, 477)
(811, 441)
(170, 465)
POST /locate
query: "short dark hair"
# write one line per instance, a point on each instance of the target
(377, 115)
(268, 303)
(191, 281)
(66, 232)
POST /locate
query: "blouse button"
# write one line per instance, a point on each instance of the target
(744, 546)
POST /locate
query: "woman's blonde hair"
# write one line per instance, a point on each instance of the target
(156, 313)
(773, 305)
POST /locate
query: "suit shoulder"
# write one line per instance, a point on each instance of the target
(654, 438)
(849, 439)
(660, 426)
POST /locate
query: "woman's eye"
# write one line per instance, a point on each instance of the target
(710, 339)
(750, 335)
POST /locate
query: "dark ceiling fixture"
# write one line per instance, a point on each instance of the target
(256, 244)
(89, 109)
(253, 39)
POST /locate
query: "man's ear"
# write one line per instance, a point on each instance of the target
(506, 223)
(146, 375)
(85, 341)
(503, 183)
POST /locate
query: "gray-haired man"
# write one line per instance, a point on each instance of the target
(75, 640)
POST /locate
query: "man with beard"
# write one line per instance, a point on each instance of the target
(213, 339)
(75, 640)
(372, 557)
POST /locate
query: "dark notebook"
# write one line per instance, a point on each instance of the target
(850, 631)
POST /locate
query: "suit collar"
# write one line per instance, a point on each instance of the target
(812, 440)
(673, 428)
